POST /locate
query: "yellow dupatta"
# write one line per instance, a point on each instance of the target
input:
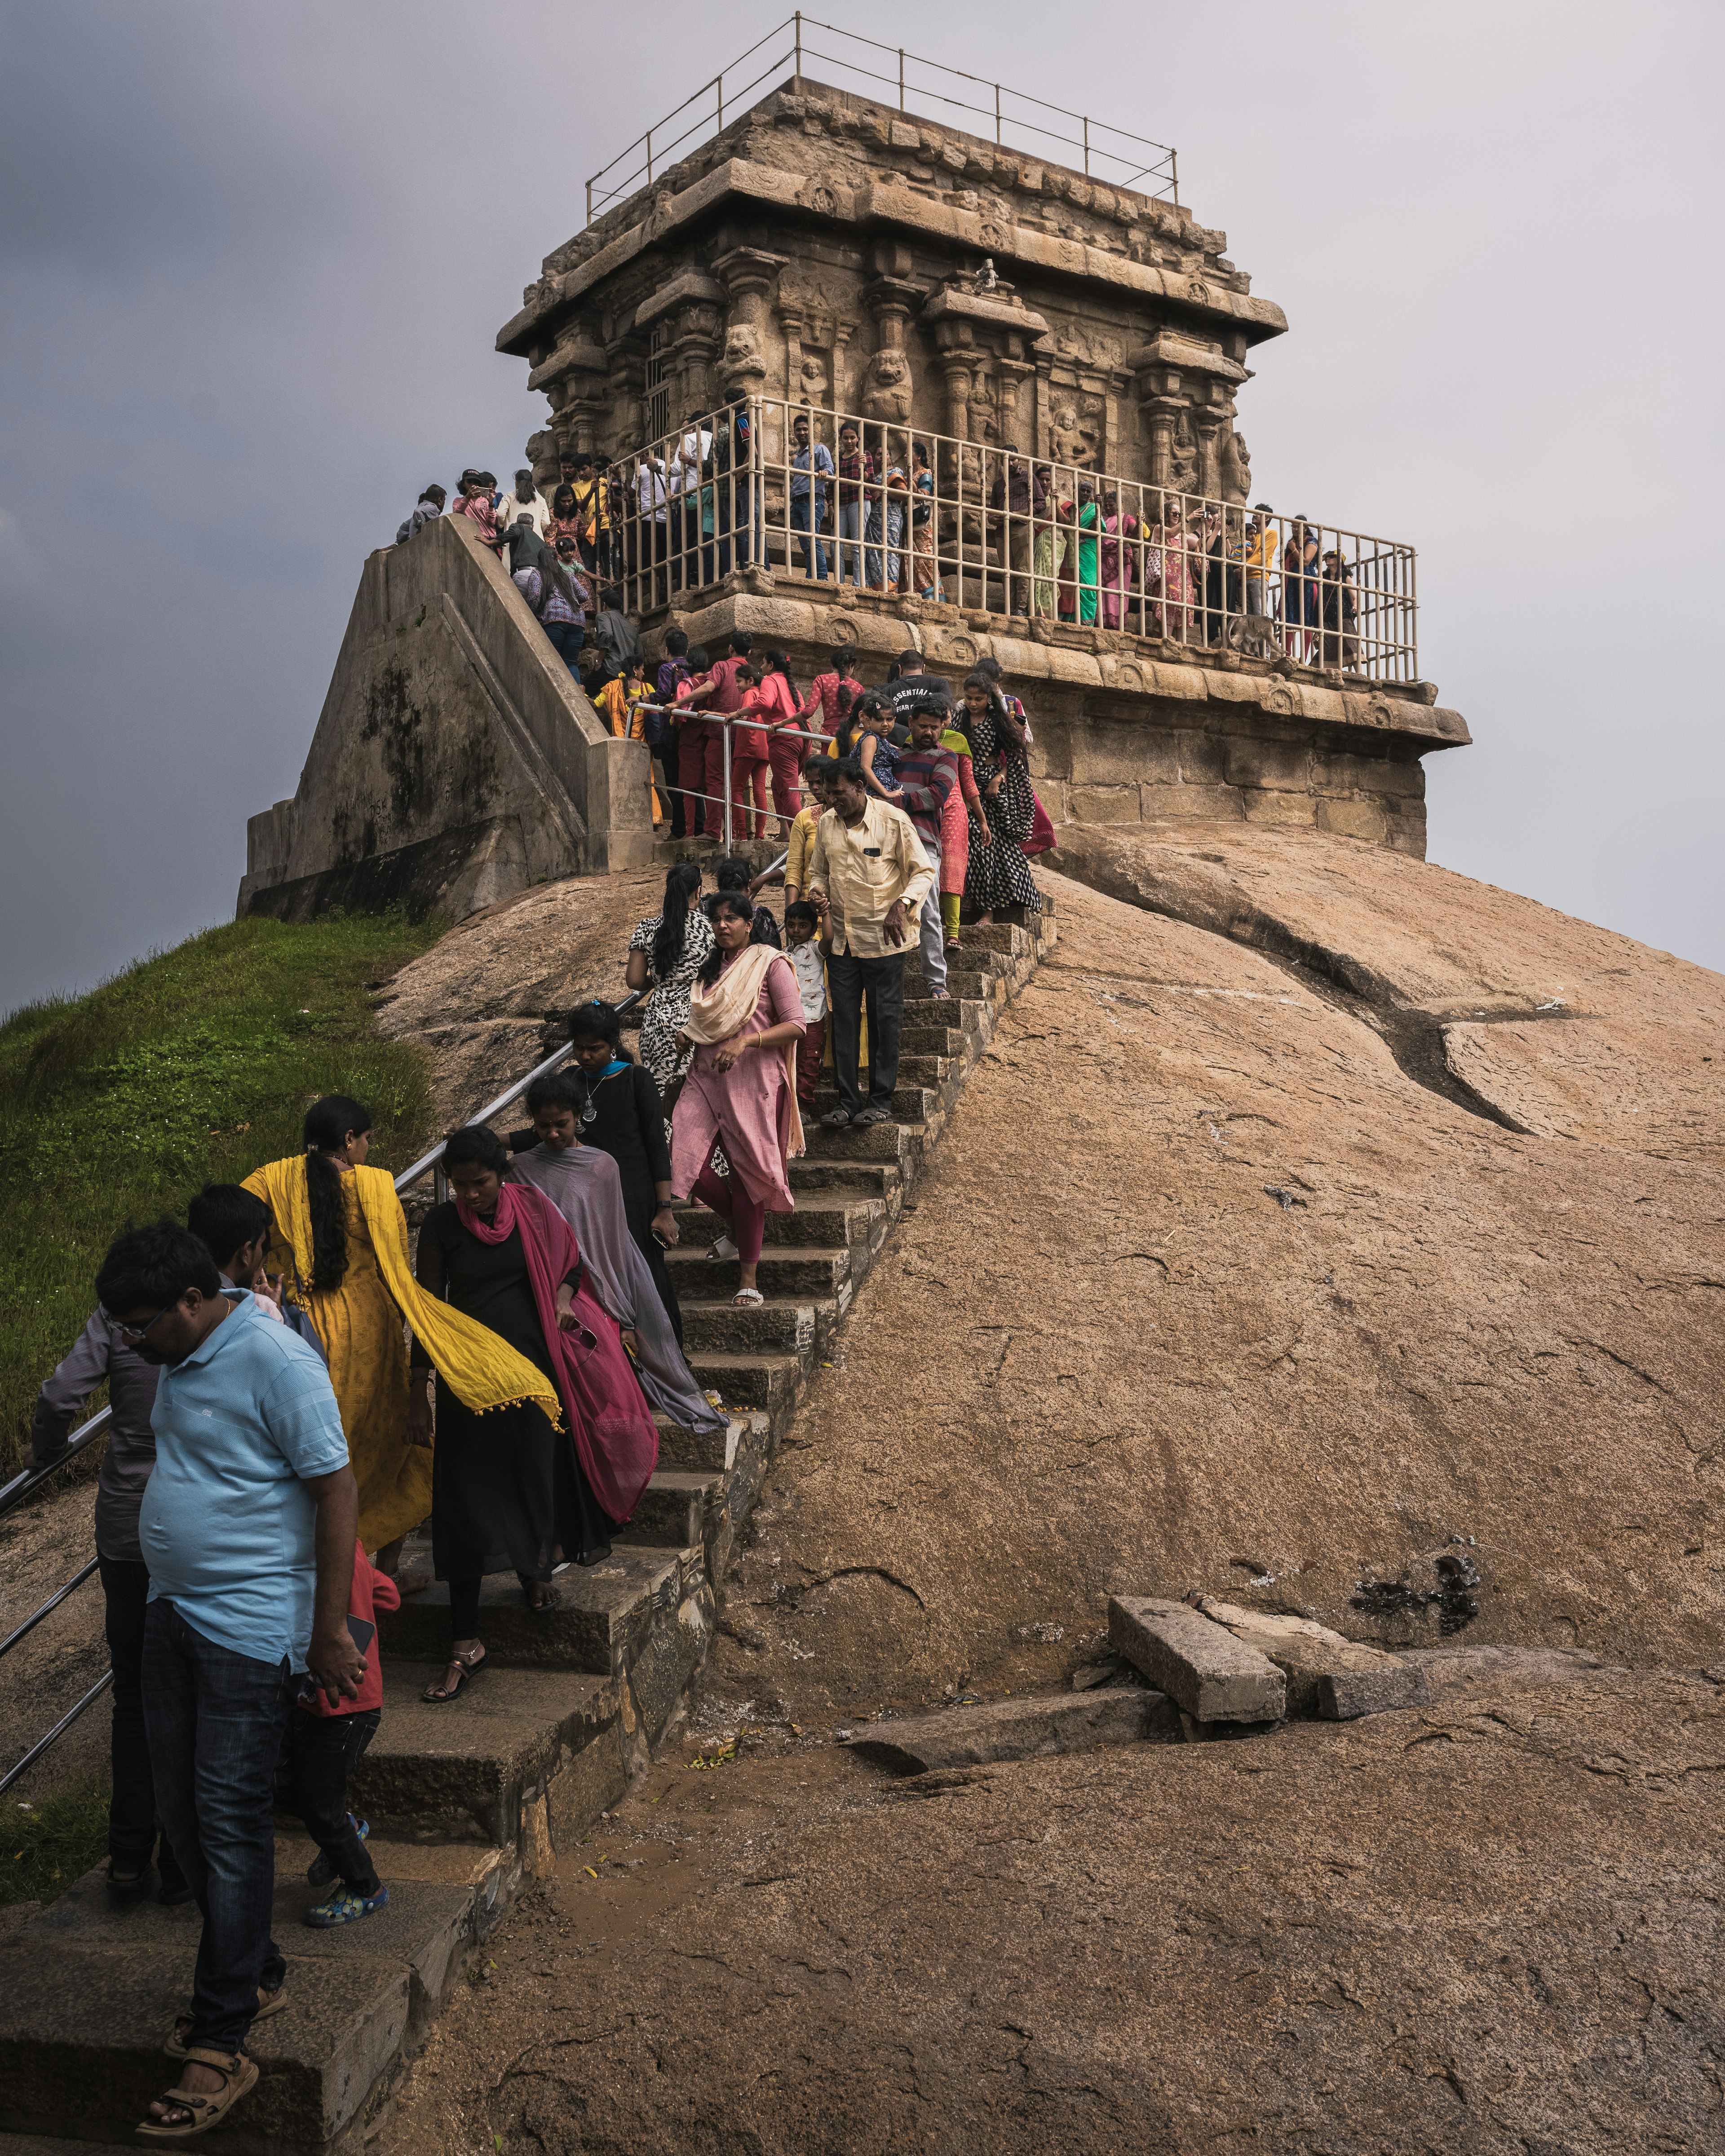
(482, 1370)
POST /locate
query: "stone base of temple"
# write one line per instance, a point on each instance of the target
(1128, 729)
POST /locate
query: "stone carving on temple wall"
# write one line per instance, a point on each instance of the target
(1236, 467)
(888, 397)
(1069, 442)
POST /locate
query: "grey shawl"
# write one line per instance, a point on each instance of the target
(585, 1187)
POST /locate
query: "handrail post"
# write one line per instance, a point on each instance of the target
(1087, 143)
(650, 155)
(900, 78)
(719, 85)
(996, 121)
(797, 71)
(725, 732)
(589, 202)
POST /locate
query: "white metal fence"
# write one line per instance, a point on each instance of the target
(840, 500)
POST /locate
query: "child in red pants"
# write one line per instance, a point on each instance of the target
(801, 925)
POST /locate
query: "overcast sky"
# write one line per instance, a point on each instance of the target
(253, 258)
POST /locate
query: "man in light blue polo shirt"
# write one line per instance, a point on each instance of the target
(247, 1528)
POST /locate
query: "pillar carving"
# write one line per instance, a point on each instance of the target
(748, 275)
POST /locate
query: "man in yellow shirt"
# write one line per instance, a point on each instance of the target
(1261, 544)
(868, 875)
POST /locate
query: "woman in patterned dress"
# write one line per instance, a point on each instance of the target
(665, 952)
(999, 871)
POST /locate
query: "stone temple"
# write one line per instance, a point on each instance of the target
(1058, 359)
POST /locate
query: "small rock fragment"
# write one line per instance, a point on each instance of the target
(1030, 1727)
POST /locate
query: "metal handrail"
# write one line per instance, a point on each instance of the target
(59, 1729)
(53, 1601)
(1163, 167)
(27, 1479)
(21, 1484)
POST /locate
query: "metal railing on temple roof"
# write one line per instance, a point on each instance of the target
(895, 77)
(896, 512)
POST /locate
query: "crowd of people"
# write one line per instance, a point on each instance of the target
(1067, 545)
(295, 1387)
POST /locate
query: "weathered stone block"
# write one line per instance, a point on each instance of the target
(1284, 765)
(1201, 1665)
(1104, 754)
(1342, 772)
(1209, 804)
(1327, 1675)
(1054, 794)
(1298, 809)
(1029, 1729)
(1203, 759)
(590, 1780)
(1353, 820)
(1104, 804)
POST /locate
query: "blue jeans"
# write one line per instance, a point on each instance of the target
(805, 514)
(567, 639)
(215, 1721)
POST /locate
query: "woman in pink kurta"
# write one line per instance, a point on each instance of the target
(1118, 578)
(745, 1021)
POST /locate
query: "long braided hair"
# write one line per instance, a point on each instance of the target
(328, 1124)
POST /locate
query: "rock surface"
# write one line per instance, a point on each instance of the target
(1491, 1926)
(1206, 1290)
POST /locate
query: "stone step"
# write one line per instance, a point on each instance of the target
(971, 1014)
(879, 1179)
(911, 1103)
(605, 1614)
(460, 1770)
(81, 2031)
(787, 1272)
(88, 1990)
(760, 1381)
(672, 1510)
(847, 1221)
(946, 1040)
(785, 1327)
(721, 1450)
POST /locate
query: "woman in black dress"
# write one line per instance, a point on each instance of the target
(628, 1123)
(999, 871)
(507, 1493)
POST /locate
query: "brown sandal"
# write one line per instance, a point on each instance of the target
(440, 1695)
(239, 2076)
(269, 2003)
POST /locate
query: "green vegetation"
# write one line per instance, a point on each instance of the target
(192, 1066)
(48, 1846)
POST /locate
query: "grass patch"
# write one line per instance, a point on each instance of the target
(192, 1066)
(48, 1846)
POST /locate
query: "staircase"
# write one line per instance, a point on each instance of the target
(468, 1800)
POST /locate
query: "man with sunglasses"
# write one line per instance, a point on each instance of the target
(247, 1527)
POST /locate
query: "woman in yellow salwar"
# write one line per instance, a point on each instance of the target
(340, 1240)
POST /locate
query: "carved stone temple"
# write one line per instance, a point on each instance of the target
(828, 253)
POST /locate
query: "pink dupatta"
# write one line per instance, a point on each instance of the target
(615, 1438)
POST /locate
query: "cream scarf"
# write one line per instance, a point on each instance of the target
(722, 1012)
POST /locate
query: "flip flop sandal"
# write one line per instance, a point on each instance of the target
(940, 995)
(748, 1298)
(721, 1248)
(550, 1598)
(835, 1119)
(269, 2003)
(239, 2076)
(869, 1117)
(437, 1695)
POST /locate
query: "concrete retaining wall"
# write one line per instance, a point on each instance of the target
(455, 761)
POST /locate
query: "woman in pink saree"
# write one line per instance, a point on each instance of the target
(1119, 572)
(1172, 560)
(745, 1021)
